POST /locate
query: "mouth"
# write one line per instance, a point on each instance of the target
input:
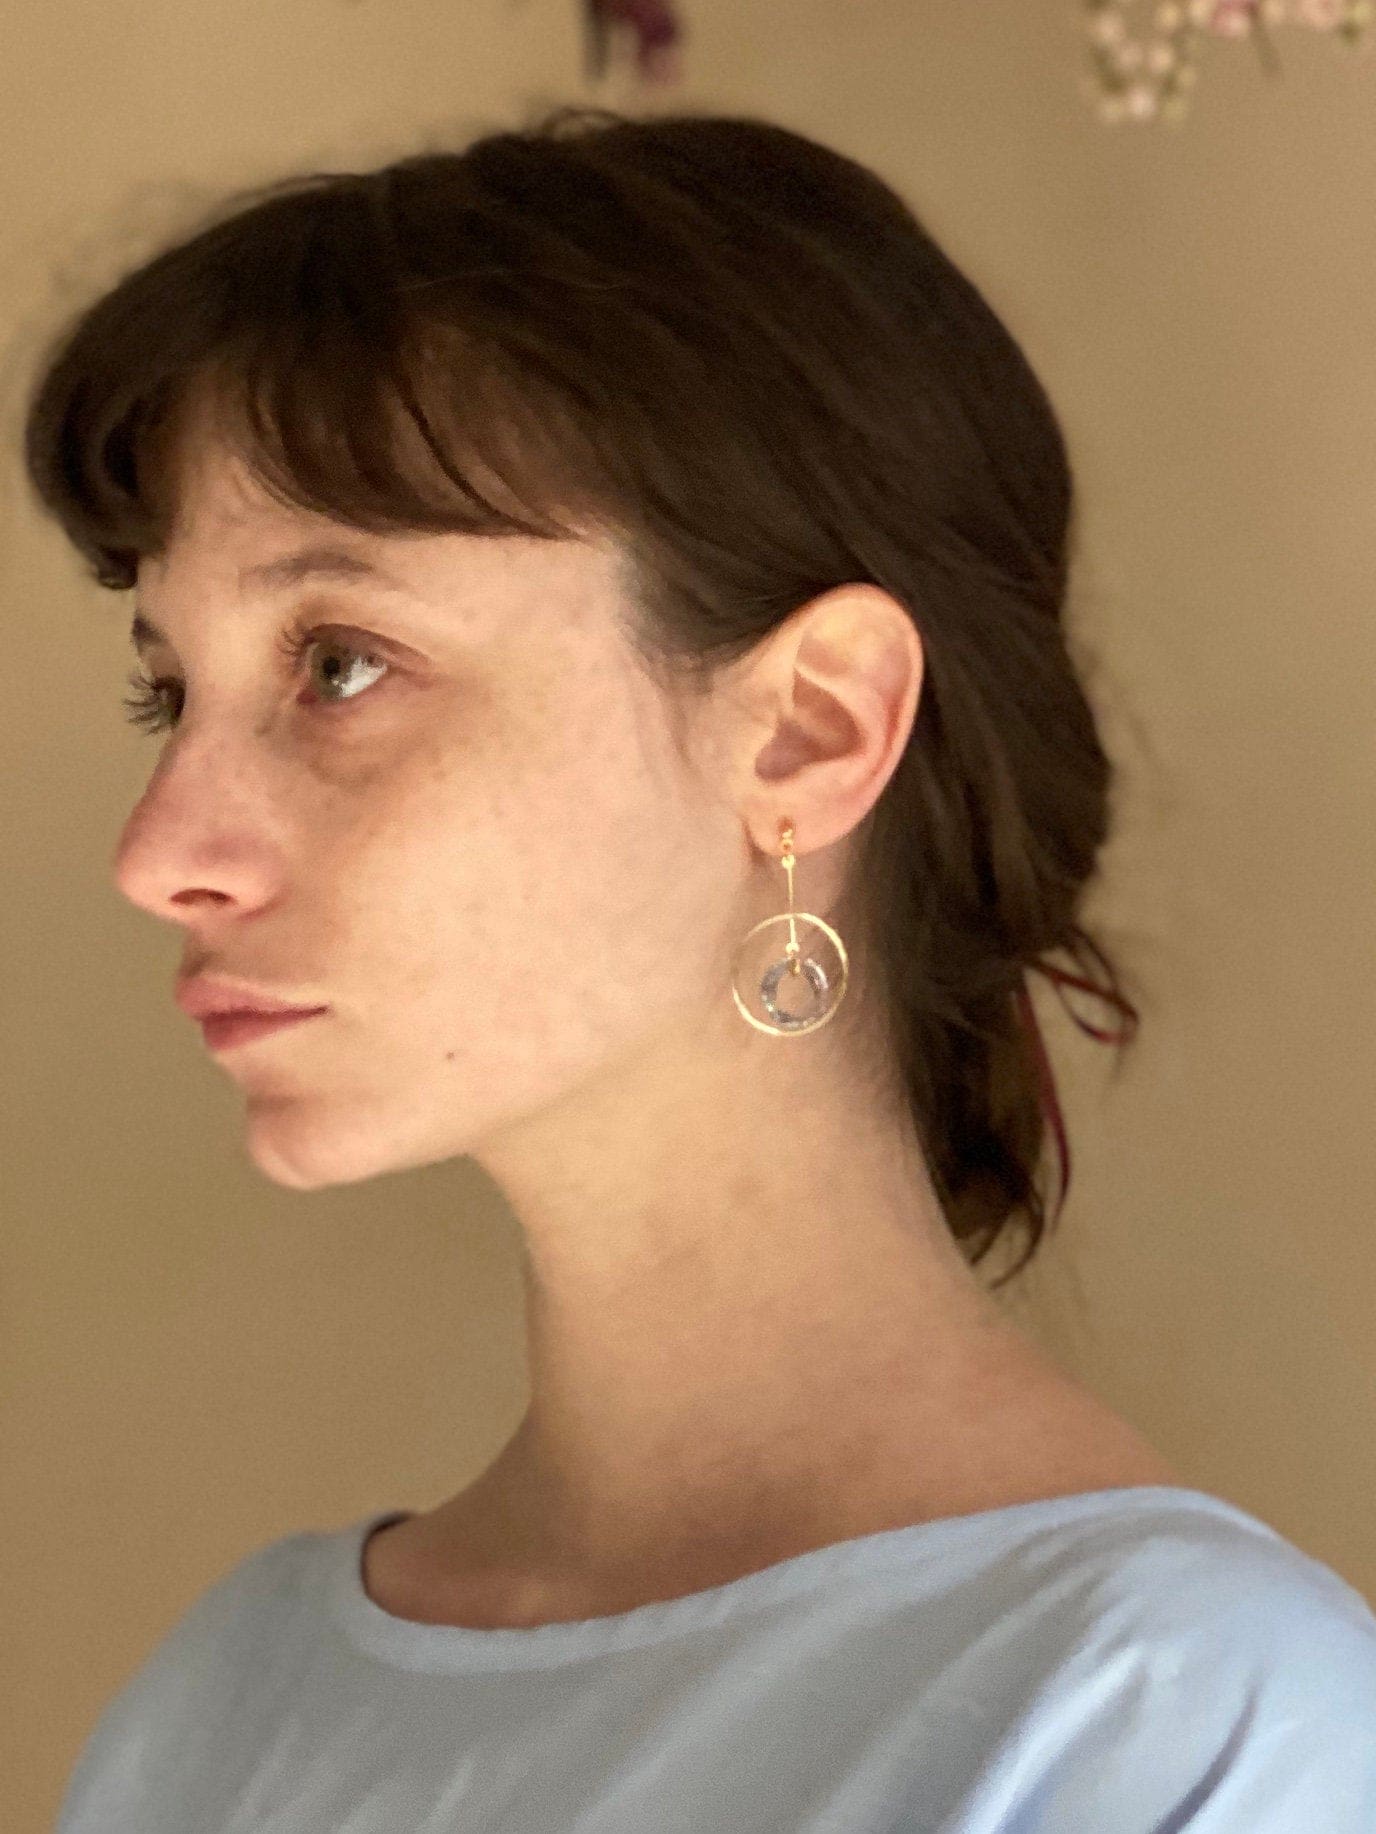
(223, 1031)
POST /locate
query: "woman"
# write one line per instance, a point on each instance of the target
(550, 557)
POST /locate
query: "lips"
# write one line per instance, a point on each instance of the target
(205, 997)
(222, 1030)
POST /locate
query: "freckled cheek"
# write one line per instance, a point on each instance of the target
(410, 853)
(482, 871)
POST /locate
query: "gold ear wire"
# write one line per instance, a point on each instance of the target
(788, 862)
(828, 992)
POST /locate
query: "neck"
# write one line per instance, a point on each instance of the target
(748, 1319)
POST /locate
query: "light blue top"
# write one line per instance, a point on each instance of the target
(1145, 1660)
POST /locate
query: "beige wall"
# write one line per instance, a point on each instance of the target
(194, 1361)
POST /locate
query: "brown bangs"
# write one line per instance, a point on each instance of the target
(295, 334)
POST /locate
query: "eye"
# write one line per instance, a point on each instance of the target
(146, 708)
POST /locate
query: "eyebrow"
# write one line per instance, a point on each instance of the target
(294, 569)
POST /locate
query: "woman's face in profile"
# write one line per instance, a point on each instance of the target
(455, 819)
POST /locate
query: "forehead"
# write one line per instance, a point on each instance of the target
(224, 519)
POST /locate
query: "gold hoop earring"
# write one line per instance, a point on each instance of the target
(828, 990)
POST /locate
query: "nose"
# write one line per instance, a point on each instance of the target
(188, 849)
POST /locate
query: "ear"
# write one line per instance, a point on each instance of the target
(838, 685)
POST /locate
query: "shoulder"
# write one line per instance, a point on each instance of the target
(251, 1598)
(1209, 1676)
(1183, 1559)
(226, 1647)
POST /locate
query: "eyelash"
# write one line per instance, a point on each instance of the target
(145, 708)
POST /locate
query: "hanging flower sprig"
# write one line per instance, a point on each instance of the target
(1143, 54)
(654, 30)
(1145, 73)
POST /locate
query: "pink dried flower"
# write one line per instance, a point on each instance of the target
(1232, 18)
(657, 30)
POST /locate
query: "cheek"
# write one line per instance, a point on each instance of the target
(529, 872)
(548, 919)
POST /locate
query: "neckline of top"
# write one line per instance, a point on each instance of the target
(412, 1644)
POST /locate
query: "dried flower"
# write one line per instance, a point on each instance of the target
(656, 28)
(1143, 73)
(1139, 71)
(1232, 18)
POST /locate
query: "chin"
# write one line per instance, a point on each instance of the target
(293, 1146)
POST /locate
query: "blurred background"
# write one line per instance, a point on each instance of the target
(195, 1362)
